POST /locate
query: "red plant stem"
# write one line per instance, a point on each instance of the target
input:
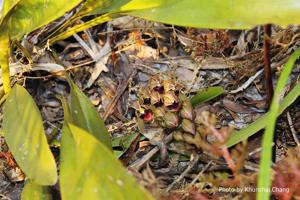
(224, 149)
(268, 76)
(267, 65)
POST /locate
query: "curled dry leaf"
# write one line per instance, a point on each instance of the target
(237, 108)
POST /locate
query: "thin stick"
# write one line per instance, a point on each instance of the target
(192, 163)
(119, 92)
(201, 172)
(139, 163)
(294, 133)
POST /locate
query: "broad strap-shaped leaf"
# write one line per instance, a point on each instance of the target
(29, 15)
(4, 56)
(134, 5)
(206, 95)
(90, 171)
(83, 114)
(221, 14)
(109, 9)
(92, 7)
(33, 191)
(24, 133)
(89, 7)
(203, 14)
(6, 7)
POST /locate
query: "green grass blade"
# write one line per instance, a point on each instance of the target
(243, 134)
(206, 95)
(264, 180)
(259, 124)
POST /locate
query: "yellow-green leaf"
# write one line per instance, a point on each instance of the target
(84, 115)
(29, 15)
(238, 14)
(80, 27)
(92, 7)
(6, 7)
(24, 133)
(90, 171)
(134, 5)
(4, 63)
(33, 191)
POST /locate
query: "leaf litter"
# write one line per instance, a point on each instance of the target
(116, 60)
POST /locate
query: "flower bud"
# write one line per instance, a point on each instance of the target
(148, 116)
(187, 110)
(170, 98)
(155, 97)
(177, 136)
(144, 93)
(188, 138)
(171, 120)
(206, 118)
(197, 140)
(155, 82)
(188, 126)
(169, 85)
(158, 112)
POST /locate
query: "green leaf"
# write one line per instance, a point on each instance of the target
(264, 179)
(33, 191)
(214, 13)
(89, 7)
(24, 133)
(93, 7)
(259, 124)
(206, 95)
(124, 142)
(29, 15)
(90, 171)
(221, 14)
(134, 5)
(6, 8)
(83, 114)
(114, 9)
